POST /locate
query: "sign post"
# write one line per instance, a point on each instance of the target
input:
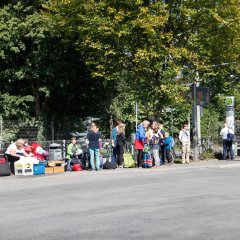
(230, 115)
(201, 97)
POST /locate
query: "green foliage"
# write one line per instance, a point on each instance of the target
(78, 58)
(15, 106)
(211, 124)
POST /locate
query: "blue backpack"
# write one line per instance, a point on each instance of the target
(172, 143)
(230, 137)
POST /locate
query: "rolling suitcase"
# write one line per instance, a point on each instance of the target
(147, 160)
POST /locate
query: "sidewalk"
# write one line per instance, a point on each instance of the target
(205, 164)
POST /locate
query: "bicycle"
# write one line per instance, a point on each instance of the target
(205, 145)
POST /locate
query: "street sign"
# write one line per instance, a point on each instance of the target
(202, 96)
(229, 101)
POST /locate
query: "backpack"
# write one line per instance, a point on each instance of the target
(172, 143)
(230, 137)
(76, 167)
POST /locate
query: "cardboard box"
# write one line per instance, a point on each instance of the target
(49, 170)
(55, 163)
(58, 169)
(23, 169)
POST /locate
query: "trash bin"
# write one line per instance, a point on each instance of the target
(55, 152)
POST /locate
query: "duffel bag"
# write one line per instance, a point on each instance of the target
(109, 165)
(4, 167)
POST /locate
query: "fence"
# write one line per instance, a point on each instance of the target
(11, 130)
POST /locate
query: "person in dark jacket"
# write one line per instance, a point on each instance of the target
(167, 143)
(114, 141)
(120, 144)
(93, 139)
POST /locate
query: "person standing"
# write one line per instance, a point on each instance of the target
(155, 146)
(150, 132)
(93, 139)
(161, 133)
(167, 142)
(140, 141)
(120, 144)
(184, 137)
(114, 141)
(149, 135)
(227, 145)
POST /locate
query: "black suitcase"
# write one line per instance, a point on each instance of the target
(4, 167)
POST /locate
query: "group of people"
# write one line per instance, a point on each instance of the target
(21, 148)
(160, 142)
(150, 136)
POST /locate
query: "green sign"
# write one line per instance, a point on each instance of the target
(229, 101)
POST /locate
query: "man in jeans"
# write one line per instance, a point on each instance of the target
(184, 137)
(226, 144)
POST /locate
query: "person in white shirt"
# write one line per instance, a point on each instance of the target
(14, 152)
(227, 145)
(184, 137)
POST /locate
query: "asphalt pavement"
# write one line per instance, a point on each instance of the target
(195, 201)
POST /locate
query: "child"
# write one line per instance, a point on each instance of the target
(167, 143)
(73, 153)
(72, 149)
(93, 139)
(155, 145)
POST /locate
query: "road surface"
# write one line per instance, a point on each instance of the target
(196, 201)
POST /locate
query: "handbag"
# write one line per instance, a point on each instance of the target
(129, 162)
(4, 167)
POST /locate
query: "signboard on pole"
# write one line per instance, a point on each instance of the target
(202, 96)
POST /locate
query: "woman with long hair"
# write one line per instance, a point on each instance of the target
(120, 144)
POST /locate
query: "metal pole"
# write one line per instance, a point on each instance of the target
(195, 130)
(198, 111)
(136, 115)
(64, 149)
(1, 133)
(52, 128)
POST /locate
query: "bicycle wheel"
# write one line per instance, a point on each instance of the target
(201, 150)
(173, 154)
(212, 148)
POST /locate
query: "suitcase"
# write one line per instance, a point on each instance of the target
(147, 160)
(128, 161)
(4, 167)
